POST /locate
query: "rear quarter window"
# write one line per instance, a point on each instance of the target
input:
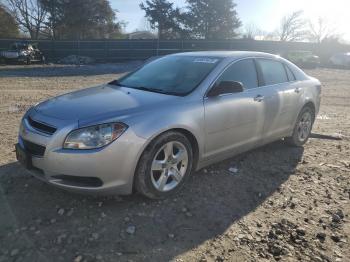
(290, 74)
(297, 72)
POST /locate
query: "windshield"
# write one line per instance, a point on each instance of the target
(177, 75)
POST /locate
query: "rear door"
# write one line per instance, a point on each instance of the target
(293, 97)
(277, 107)
(234, 122)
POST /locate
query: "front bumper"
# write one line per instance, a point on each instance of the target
(109, 170)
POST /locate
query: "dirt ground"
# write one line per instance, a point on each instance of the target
(284, 203)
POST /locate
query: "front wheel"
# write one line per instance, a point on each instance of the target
(164, 166)
(302, 128)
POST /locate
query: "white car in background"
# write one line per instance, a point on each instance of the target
(341, 59)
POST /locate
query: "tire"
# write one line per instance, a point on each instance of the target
(302, 128)
(158, 175)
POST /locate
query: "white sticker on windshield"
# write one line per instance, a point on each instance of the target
(205, 60)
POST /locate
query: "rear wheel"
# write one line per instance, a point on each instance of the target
(164, 166)
(302, 128)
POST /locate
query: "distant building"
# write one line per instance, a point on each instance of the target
(142, 35)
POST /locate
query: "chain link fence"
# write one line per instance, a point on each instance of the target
(124, 50)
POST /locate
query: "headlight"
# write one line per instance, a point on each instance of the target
(94, 136)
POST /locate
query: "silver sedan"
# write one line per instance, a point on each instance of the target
(150, 129)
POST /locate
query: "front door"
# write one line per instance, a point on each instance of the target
(234, 122)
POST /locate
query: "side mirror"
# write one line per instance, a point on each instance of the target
(226, 87)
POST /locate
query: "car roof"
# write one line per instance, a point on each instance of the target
(228, 54)
(231, 56)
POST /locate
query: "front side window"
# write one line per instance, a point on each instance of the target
(243, 71)
(177, 75)
(273, 71)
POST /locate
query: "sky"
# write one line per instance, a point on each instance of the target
(265, 14)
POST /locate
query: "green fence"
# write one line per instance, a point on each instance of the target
(119, 50)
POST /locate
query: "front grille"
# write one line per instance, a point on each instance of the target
(41, 126)
(34, 149)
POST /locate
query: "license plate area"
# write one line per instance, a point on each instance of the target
(23, 157)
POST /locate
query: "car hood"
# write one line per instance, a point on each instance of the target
(105, 100)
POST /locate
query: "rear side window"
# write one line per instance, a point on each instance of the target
(243, 71)
(273, 72)
(290, 74)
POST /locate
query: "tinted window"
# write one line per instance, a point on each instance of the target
(172, 74)
(243, 71)
(290, 74)
(273, 72)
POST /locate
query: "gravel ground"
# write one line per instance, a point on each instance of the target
(283, 203)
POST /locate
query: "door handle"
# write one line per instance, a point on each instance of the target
(259, 98)
(297, 90)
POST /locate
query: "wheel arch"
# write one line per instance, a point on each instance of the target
(290, 138)
(188, 134)
(194, 143)
(310, 104)
(307, 103)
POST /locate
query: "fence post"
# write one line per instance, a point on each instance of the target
(53, 50)
(106, 49)
(78, 47)
(158, 46)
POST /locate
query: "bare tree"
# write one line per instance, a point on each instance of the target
(321, 30)
(29, 15)
(292, 27)
(252, 31)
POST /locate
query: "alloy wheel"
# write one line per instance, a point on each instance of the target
(304, 126)
(169, 166)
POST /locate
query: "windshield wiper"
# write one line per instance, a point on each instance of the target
(156, 90)
(150, 89)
